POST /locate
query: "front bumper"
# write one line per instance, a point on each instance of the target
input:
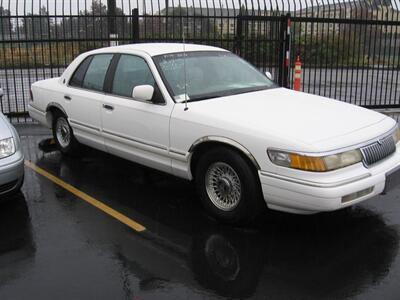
(11, 173)
(302, 197)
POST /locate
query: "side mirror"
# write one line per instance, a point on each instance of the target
(269, 75)
(143, 92)
(1, 93)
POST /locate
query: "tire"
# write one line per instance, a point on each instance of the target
(10, 195)
(63, 135)
(228, 186)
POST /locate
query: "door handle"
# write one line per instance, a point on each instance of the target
(108, 107)
(66, 97)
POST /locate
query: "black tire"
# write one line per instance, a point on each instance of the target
(250, 203)
(9, 196)
(71, 147)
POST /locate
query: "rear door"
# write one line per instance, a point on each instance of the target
(84, 99)
(133, 129)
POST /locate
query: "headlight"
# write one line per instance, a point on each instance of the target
(315, 163)
(396, 135)
(7, 147)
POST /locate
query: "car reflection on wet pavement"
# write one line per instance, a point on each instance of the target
(53, 245)
(16, 244)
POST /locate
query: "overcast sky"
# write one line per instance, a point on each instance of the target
(73, 6)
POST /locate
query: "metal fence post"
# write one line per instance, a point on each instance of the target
(284, 51)
(286, 81)
(135, 25)
(281, 50)
(239, 34)
(112, 33)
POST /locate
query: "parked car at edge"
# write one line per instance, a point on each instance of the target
(205, 114)
(11, 158)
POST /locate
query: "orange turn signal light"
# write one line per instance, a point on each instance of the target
(307, 163)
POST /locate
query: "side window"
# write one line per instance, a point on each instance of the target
(95, 74)
(77, 78)
(130, 72)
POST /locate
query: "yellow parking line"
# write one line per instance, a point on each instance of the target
(89, 199)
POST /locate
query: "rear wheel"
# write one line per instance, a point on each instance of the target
(63, 135)
(228, 186)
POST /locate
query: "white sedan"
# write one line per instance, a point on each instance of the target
(204, 114)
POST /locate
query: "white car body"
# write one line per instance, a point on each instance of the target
(164, 136)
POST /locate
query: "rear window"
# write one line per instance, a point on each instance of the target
(79, 74)
(95, 74)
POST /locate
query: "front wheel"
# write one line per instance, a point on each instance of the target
(63, 135)
(228, 186)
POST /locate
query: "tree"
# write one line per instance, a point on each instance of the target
(6, 26)
(38, 26)
(95, 24)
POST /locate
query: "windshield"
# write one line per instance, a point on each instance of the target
(209, 74)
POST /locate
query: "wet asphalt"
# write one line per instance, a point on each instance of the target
(53, 245)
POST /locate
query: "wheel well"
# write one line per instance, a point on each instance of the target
(50, 112)
(201, 149)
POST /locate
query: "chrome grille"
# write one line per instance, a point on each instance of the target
(378, 150)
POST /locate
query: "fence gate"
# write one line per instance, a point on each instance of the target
(350, 51)
(265, 42)
(353, 60)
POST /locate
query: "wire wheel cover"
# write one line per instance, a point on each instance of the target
(63, 132)
(223, 186)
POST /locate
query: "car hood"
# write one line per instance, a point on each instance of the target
(317, 123)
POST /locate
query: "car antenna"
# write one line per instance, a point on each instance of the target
(184, 61)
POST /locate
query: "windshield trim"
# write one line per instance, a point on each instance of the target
(230, 93)
(218, 95)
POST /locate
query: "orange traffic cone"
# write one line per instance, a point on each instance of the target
(297, 74)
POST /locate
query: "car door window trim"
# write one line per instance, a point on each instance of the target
(109, 79)
(102, 91)
(112, 69)
(110, 74)
(137, 100)
(96, 72)
(89, 59)
(87, 90)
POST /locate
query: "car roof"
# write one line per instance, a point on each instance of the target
(154, 49)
